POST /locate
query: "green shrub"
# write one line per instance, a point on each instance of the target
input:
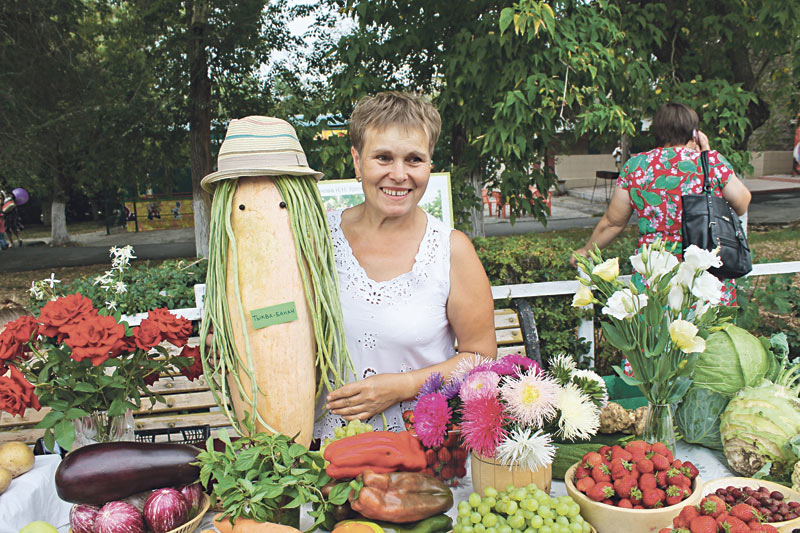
(169, 284)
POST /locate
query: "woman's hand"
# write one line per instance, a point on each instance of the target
(573, 262)
(701, 142)
(368, 397)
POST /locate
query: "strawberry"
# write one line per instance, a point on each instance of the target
(637, 444)
(661, 448)
(769, 528)
(636, 496)
(620, 468)
(653, 498)
(744, 512)
(661, 478)
(429, 472)
(674, 477)
(444, 455)
(712, 505)
(647, 481)
(618, 451)
(608, 501)
(623, 486)
(665, 530)
(703, 524)
(674, 495)
(430, 457)
(591, 460)
(600, 491)
(721, 518)
(460, 455)
(677, 463)
(660, 462)
(689, 512)
(585, 484)
(601, 473)
(605, 452)
(461, 471)
(580, 472)
(625, 503)
(452, 439)
(637, 454)
(689, 470)
(734, 525)
(645, 466)
(408, 415)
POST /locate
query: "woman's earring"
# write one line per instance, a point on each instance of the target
(358, 179)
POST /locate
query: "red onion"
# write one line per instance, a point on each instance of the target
(82, 518)
(193, 494)
(119, 517)
(165, 510)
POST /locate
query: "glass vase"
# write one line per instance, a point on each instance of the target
(659, 425)
(99, 427)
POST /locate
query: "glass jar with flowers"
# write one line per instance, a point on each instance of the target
(659, 320)
(508, 411)
(87, 367)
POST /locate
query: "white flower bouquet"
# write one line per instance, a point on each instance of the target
(661, 322)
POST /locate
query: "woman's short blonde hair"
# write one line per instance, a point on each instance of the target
(394, 108)
(10, 310)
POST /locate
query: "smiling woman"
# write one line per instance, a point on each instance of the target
(410, 286)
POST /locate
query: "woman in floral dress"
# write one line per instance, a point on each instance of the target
(652, 183)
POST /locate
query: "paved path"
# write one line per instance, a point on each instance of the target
(776, 200)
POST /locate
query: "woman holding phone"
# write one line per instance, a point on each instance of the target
(652, 183)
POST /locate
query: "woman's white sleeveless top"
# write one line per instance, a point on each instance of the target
(397, 325)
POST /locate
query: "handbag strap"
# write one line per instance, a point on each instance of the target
(704, 165)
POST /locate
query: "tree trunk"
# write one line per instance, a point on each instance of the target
(46, 214)
(199, 120)
(472, 177)
(58, 226)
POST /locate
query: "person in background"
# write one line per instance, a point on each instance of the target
(410, 286)
(652, 183)
(3, 243)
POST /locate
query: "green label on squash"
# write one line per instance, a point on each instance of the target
(274, 314)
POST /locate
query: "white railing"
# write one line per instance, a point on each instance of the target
(500, 292)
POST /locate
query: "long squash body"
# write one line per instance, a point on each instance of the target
(100, 473)
(268, 275)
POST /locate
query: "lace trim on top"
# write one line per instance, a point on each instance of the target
(355, 279)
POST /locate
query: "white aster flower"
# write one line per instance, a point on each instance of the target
(526, 448)
(608, 270)
(563, 364)
(624, 304)
(580, 417)
(531, 398)
(700, 259)
(592, 376)
(119, 287)
(684, 276)
(708, 288)
(675, 297)
(652, 264)
(583, 296)
(684, 335)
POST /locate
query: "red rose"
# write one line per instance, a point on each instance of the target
(174, 329)
(16, 394)
(147, 334)
(10, 350)
(150, 378)
(95, 338)
(62, 312)
(22, 329)
(195, 370)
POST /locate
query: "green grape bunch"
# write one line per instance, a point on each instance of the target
(519, 510)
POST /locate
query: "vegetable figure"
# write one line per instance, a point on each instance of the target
(401, 497)
(271, 288)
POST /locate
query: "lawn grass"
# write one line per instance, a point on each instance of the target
(39, 231)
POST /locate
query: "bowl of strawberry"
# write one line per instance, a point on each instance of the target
(715, 515)
(642, 486)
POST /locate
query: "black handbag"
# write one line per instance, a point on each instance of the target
(709, 221)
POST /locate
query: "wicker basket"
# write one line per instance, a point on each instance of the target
(789, 495)
(607, 518)
(487, 473)
(192, 524)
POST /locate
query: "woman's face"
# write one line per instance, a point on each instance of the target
(394, 166)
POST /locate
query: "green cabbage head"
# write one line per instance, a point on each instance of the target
(698, 417)
(756, 428)
(733, 359)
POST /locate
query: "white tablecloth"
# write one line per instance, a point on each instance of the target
(32, 496)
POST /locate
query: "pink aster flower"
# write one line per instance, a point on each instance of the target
(479, 384)
(431, 416)
(482, 423)
(514, 364)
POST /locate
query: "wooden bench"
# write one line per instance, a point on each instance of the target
(190, 403)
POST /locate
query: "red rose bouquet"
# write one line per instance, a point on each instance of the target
(78, 361)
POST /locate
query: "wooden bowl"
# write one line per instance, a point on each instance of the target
(788, 495)
(609, 519)
(192, 524)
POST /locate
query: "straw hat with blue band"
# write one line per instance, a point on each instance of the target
(259, 146)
